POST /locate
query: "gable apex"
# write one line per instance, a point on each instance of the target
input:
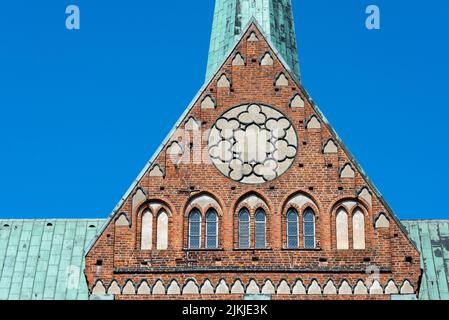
(274, 17)
(148, 166)
(252, 27)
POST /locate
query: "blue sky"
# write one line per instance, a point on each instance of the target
(81, 110)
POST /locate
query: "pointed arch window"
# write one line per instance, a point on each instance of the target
(162, 231)
(244, 232)
(309, 229)
(358, 229)
(260, 229)
(292, 229)
(342, 230)
(146, 234)
(211, 229)
(195, 229)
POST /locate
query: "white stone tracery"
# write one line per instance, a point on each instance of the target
(190, 287)
(253, 144)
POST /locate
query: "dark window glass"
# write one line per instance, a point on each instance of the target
(195, 230)
(309, 229)
(244, 232)
(292, 229)
(211, 229)
(260, 230)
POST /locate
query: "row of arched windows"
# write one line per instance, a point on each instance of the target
(259, 226)
(299, 227)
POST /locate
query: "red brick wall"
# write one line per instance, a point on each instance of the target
(311, 174)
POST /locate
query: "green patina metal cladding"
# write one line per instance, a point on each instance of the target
(432, 240)
(231, 17)
(44, 259)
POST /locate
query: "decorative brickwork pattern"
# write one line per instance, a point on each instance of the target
(322, 177)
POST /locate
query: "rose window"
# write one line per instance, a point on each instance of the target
(253, 144)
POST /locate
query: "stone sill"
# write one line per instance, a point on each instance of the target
(203, 250)
(302, 249)
(252, 249)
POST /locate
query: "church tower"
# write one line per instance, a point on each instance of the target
(252, 194)
(275, 18)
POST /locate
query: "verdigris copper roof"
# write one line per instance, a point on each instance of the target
(232, 16)
(432, 239)
(44, 259)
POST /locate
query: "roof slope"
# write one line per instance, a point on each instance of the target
(44, 259)
(432, 239)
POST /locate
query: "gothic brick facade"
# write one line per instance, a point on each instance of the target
(359, 251)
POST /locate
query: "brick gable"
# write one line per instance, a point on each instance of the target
(322, 176)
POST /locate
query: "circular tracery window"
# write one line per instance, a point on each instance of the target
(253, 144)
